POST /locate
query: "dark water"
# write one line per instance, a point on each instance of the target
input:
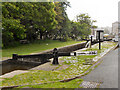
(16, 65)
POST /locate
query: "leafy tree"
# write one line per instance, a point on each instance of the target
(30, 18)
(41, 19)
(48, 20)
(12, 31)
(85, 24)
(62, 19)
(76, 31)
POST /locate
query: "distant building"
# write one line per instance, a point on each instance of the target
(115, 28)
(94, 33)
(107, 30)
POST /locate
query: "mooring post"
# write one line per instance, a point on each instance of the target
(55, 56)
(14, 56)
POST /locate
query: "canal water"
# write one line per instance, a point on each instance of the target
(9, 65)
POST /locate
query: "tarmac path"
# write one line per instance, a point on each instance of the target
(106, 72)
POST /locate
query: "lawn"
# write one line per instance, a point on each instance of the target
(36, 47)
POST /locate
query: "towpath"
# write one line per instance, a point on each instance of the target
(107, 72)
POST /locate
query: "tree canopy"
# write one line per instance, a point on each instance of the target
(41, 20)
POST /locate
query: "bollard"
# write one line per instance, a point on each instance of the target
(55, 56)
(91, 40)
(14, 56)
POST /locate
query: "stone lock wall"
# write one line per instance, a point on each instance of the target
(11, 64)
(69, 48)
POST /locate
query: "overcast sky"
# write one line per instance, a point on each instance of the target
(104, 11)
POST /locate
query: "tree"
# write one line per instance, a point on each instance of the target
(12, 28)
(38, 18)
(12, 31)
(62, 19)
(28, 18)
(85, 24)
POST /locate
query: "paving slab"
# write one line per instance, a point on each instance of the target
(13, 73)
(87, 84)
(46, 66)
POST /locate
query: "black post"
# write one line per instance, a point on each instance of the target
(91, 40)
(14, 56)
(99, 40)
(55, 56)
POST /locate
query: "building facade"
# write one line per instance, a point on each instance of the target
(94, 33)
(115, 28)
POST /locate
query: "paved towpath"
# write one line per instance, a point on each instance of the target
(106, 72)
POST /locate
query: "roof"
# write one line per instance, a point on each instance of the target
(99, 30)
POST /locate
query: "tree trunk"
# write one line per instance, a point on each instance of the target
(41, 35)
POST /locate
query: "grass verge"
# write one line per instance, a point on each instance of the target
(36, 47)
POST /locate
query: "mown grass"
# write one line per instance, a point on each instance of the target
(40, 76)
(76, 67)
(35, 47)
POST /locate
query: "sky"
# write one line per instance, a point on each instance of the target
(104, 11)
